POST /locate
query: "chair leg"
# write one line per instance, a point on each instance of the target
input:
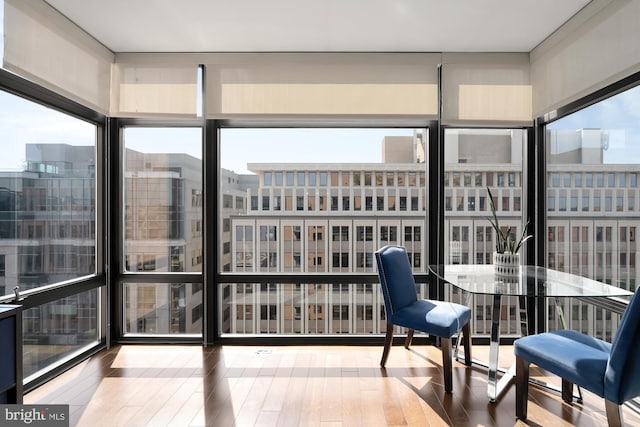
(407, 341)
(387, 344)
(567, 391)
(614, 414)
(447, 371)
(522, 387)
(466, 341)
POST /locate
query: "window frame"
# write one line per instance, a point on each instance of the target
(97, 281)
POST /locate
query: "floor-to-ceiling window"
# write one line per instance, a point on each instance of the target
(307, 202)
(479, 161)
(48, 229)
(592, 200)
(162, 230)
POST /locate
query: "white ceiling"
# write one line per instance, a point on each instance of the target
(319, 25)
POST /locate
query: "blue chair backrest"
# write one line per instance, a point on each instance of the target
(622, 378)
(396, 278)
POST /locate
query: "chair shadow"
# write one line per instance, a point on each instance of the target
(445, 403)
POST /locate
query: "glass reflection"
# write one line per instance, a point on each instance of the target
(47, 196)
(163, 199)
(592, 214)
(163, 308)
(599, 143)
(58, 330)
(344, 193)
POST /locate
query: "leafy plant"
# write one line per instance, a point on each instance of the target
(505, 242)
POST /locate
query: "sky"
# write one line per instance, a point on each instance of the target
(242, 146)
(24, 122)
(620, 116)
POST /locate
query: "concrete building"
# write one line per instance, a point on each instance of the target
(330, 218)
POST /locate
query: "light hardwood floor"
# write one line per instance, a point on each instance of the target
(154, 385)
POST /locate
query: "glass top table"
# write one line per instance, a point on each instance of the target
(531, 281)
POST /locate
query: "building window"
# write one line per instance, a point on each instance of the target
(334, 203)
(356, 179)
(574, 204)
(340, 312)
(392, 203)
(357, 203)
(364, 233)
(364, 259)
(412, 234)
(268, 233)
(268, 259)
(368, 203)
(239, 203)
(345, 203)
(340, 260)
(390, 179)
(316, 233)
(388, 234)
(403, 203)
(416, 259)
(268, 312)
(367, 179)
(340, 233)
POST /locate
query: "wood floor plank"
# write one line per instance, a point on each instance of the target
(267, 419)
(292, 406)
(312, 404)
(253, 402)
(155, 385)
(187, 413)
(274, 400)
(171, 406)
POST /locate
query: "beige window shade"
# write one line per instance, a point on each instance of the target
(157, 90)
(293, 85)
(598, 47)
(45, 47)
(486, 89)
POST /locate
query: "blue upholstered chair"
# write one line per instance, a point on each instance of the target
(611, 371)
(403, 308)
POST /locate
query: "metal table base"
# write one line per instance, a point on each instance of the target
(500, 378)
